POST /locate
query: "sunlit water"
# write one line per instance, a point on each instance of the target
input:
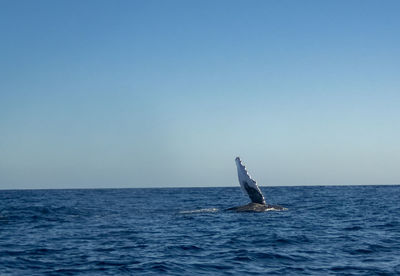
(352, 230)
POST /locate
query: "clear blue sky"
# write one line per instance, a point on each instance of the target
(168, 93)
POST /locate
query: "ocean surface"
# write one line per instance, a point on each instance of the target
(327, 230)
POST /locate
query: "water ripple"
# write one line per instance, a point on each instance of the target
(325, 231)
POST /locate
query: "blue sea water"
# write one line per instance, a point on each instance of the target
(327, 230)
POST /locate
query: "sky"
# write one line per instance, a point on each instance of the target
(119, 94)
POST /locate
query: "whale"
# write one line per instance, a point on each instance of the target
(250, 188)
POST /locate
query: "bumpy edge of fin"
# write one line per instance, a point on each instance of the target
(249, 186)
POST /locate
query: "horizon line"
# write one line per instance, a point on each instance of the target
(190, 187)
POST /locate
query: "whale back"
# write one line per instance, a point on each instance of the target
(249, 185)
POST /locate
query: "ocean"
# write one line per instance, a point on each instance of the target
(326, 230)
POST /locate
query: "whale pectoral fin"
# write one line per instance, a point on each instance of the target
(249, 185)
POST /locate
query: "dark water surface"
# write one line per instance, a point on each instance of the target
(327, 230)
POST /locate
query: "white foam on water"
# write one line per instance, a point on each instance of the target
(275, 209)
(205, 210)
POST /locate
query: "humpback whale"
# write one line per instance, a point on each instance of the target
(250, 187)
